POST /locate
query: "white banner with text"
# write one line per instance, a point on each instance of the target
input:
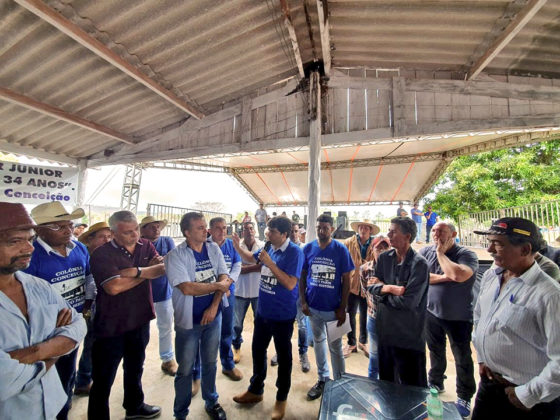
(33, 184)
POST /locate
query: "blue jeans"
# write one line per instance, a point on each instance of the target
(226, 355)
(164, 320)
(241, 306)
(419, 231)
(83, 378)
(302, 326)
(373, 368)
(187, 343)
(319, 321)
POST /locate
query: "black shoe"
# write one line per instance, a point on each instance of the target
(274, 360)
(145, 411)
(316, 391)
(216, 412)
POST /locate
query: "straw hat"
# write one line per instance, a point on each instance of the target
(380, 239)
(14, 217)
(151, 219)
(94, 228)
(54, 212)
(374, 228)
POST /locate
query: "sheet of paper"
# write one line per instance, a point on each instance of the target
(334, 332)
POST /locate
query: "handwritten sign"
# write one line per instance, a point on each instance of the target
(33, 184)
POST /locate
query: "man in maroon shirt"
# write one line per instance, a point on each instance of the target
(124, 308)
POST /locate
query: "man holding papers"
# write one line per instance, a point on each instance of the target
(324, 289)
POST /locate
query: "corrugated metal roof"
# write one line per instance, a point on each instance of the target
(213, 52)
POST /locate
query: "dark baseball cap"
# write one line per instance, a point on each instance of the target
(513, 226)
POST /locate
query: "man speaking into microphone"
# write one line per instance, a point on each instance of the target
(276, 311)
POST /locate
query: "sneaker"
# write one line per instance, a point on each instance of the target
(169, 367)
(236, 355)
(216, 412)
(145, 411)
(304, 361)
(463, 407)
(274, 360)
(439, 388)
(234, 374)
(316, 391)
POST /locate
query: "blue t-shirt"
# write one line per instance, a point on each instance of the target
(325, 268)
(416, 217)
(275, 301)
(432, 219)
(66, 274)
(231, 257)
(161, 290)
(204, 274)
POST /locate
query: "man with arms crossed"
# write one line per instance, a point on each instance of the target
(197, 271)
(401, 286)
(38, 326)
(122, 270)
(450, 310)
(324, 289)
(276, 311)
(517, 334)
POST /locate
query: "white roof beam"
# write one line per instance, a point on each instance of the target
(51, 16)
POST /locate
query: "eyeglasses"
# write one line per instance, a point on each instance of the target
(56, 228)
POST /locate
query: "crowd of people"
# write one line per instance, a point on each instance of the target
(102, 286)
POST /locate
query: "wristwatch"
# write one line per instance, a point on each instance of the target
(138, 272)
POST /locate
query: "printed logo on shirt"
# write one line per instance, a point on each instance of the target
(323, 272)
(268, 281)
(204, 273)
(71, 285)
(227, 258)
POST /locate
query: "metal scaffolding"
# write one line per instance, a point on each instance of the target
(131, 187)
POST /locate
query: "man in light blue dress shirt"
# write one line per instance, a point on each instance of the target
(517, 335)
(37, 327)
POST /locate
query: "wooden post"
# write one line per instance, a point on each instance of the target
(314, 171)
(399, 122)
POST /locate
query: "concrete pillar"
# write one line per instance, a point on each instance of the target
(314, 169)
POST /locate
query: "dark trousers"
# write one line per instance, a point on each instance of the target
(492, 403)
(355, 301)
(281, 332)
(402, 366)
(107, 353)
(428, 232)
(459, 333)
(66, 368)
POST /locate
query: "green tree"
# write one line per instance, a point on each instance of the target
(498, 179)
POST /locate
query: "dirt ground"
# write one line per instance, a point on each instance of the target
(158, 388)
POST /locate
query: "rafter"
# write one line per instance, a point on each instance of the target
(293, 38)
(51, 16)
(322, 11)
(30, 103)
(514, 27)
